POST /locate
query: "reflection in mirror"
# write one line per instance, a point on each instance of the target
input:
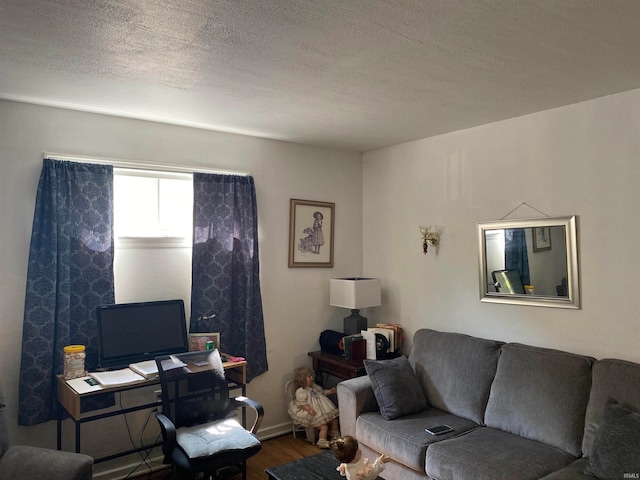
(529, 262)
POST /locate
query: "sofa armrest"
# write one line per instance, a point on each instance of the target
(355, 396)
(21, 462)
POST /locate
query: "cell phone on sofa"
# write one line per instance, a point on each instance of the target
(438, 429)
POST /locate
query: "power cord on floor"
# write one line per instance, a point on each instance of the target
(144, 454)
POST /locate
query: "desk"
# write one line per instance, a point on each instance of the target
(70, 401)
(335, 365)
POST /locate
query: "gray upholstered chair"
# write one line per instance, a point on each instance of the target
(23, 462)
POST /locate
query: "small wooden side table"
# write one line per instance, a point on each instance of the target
(335, 365)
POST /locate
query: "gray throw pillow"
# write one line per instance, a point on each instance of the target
(615, 449)
(395, 387)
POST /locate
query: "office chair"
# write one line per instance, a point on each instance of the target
(508, 281)
(562, 290)
(199, 430)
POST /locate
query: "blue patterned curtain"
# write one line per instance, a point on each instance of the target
(226, 268)
(70, 273)
(515, 253)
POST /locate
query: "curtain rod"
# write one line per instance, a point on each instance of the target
(141, 165)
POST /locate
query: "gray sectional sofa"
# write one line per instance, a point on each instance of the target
(519, 412)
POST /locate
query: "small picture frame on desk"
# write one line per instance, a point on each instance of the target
(198, 341)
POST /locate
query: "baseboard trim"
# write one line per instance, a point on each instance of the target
(274, 431)
(131, 467)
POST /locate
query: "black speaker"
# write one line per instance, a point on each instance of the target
(331, 342)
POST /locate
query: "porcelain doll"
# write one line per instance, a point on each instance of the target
(312, 408)
(353, 465)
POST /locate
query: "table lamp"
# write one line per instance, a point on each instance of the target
(354, 293)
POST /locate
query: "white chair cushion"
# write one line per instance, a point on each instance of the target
(215, 437)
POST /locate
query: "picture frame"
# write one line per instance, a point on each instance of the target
(541, 239)
(197, 341)
(311, 229)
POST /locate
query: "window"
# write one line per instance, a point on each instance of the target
(152, 208)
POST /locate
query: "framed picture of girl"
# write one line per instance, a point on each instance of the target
(311, 233)
(541, 239)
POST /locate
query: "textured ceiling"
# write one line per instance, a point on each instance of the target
(358, 74)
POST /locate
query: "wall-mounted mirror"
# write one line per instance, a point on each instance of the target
(530, 262)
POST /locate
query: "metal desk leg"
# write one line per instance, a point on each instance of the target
(59, 430)
(77, 437)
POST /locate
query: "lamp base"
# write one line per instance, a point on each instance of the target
(354, 323)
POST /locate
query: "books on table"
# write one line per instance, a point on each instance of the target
(97, 381)
(382, 340)
(115, 378)
(346, 341)
(134, 373)
(148, 369)
(388, 335)
(354, 347)
(359, 349)
(84, 385)
(370, 344)
(397, 335)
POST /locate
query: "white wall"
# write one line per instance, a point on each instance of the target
(581, 159)
(296, 301)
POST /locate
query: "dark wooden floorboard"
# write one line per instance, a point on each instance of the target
(275, 451)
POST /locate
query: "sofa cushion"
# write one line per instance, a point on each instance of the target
(395, 387)
(610, 378)
(455, 371)
(489, 454)
(542, 395)
(404, 438)
(616, 450)
(573, 471)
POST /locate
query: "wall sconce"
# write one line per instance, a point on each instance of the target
(428, 238)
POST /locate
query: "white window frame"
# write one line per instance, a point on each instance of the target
(153, 241)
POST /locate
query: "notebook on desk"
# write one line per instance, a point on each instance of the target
(116, 378)
(147, 369)
(84, 385)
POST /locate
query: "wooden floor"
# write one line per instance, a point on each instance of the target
(275, 451)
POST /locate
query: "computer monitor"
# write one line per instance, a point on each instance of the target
(135, 332)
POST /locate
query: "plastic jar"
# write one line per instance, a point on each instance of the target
(74, 361)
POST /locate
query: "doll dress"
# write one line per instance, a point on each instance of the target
(362, 469)
(312, 396)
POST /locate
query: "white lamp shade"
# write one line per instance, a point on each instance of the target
(354, 292)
